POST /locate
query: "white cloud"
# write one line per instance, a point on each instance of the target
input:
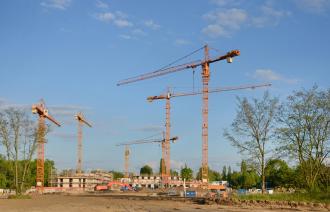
(56, 4)
(266, 74)
(65, 110)
(121, 15)
(224, 22)
(138, 32)
(101, 4)
(105, 17)
(313, 6)
(122, 23)
(222, 3)
(118, 18)
(151, 24)
(269, 16)
(5, 104)
(214, 30)
(180, 41)
(270, 75)
(126, 37)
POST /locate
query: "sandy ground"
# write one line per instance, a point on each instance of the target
(106, 203)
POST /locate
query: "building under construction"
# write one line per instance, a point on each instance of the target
(83, 181)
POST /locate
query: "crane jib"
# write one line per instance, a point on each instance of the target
(177, 68)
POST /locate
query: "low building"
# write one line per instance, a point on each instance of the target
(84, 181)
(152, 182)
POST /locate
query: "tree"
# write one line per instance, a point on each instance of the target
(18, 134)
(146, 170)
(224, 173)
(229, 174)
(304, 133)
(213, 175)
(186, 173)
(174, 173)
(161, 165)
(235, 180)
(252, 130)
(117, 175)
(248, 177)
(278, 173)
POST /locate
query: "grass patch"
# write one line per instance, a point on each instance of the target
(297, 197)
(19, 197)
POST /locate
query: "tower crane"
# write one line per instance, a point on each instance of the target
(127, 151)
(205, 64)
(43, 114)
(81, 120)
(168, 95)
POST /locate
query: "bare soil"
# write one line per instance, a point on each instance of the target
(80, 203)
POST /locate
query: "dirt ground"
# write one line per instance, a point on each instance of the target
(107, 203)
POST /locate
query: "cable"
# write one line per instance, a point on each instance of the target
(181, 58)
(217, 50)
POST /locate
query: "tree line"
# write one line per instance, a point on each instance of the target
(268, 132)
(18, 139)
(296, 129)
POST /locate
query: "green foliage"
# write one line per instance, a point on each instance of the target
(174, 173)
(49, 166)
(229, 174)
(323, 197)
(146, 170)
(224, 173)
(253, 128)
(304, 133)
(7, 173)
(161, 165)
(278, 173)
(19, 196)
(235, 180)
(117, 175)
(186, 173)
(247, 178)
(213, 175)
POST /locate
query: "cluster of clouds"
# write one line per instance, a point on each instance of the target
(122, 20)
(116, 18)
(270, 75)
(229, 18)
(56, 4)
(313, 6)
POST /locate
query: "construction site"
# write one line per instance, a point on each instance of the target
(89, 128)
(80, 181)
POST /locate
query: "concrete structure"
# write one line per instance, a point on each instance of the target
(152, 182)
(83, 181)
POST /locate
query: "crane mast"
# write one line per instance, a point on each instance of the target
(43, 114)
(205, 64)
(205, 112)
(167, 96)
(81, 121)
(144, 141)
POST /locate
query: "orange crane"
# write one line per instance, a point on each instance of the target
(168, 95)
(42, 111)
(205, 64)
(81, 120)
(127, 151)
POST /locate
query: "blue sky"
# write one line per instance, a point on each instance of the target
(72, 53)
